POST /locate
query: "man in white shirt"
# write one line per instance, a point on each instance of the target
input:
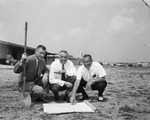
(90, 74)
(62, 75)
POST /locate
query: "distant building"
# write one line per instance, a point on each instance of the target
(10, 53)
(51, 58)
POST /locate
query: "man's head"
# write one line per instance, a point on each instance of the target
(87, 60)
(63, 56)
(40, 51)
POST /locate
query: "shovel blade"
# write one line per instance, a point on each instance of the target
(27, 100)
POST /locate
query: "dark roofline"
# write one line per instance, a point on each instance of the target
(21, 46)
(16, 45)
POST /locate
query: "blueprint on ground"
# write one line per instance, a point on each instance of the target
(57, 108)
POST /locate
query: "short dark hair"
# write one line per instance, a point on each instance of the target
(87, 55)
(41, 46)
(63, 51)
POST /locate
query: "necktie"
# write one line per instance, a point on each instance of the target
(38, 67)
(63, 74)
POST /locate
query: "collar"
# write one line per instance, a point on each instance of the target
(89, 68)
(61, 64)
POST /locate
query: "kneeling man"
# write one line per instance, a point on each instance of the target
(37, 83)
(89, 74)
(62, 76)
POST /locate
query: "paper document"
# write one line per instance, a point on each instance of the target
(55, 108)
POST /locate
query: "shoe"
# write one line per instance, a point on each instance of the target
(46, 98)
(56, 97)
(84, 97)
(35, 97)
(66, 98)
(100, 98)
(43, 98)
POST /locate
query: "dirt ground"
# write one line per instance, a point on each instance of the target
(127, 97)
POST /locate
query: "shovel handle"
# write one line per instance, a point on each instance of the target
(25, 42)
(25, 50)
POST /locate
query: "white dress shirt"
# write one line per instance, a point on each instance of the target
(56, 66)
(87, 74)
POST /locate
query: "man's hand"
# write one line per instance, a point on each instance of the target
(68, 84)
(24, 56)
(73, 100)
(45, 79)
(62, 71)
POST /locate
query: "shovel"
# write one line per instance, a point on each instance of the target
(26, 95)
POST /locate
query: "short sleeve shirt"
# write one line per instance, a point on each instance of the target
(96, 69)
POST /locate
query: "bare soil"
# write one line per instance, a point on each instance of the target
(127, 97)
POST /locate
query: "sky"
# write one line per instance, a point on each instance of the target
(109, 30)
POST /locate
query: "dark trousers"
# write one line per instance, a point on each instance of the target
(55, 88)
(99, 86)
